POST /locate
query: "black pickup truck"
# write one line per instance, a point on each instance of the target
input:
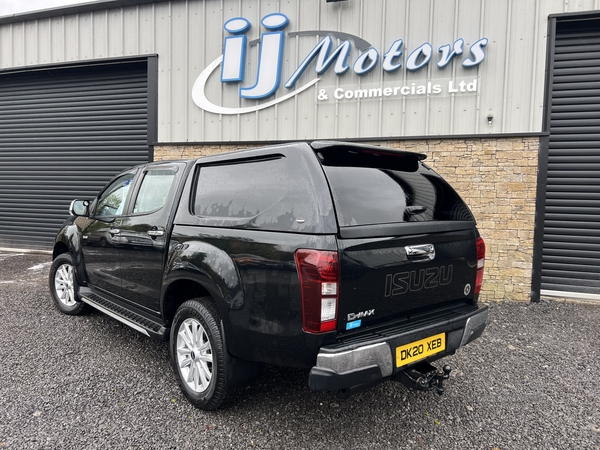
(355, 261)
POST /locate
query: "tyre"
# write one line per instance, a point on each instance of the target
(63, 286)
(198, 355)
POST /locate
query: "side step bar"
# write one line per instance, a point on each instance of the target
(134, 320)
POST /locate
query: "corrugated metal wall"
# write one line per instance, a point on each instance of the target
(63, 134)
(188, 35)
(571, 242)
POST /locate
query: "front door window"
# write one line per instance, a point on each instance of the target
(112, 200)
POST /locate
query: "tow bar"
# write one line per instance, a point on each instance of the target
(424, 377)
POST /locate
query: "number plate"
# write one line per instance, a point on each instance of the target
(418, 350)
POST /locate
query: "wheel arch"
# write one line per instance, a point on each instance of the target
(189, 282)
(68, 240)
(180, 290)
(59, 248)
(199, 269)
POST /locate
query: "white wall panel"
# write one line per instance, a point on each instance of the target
(131, 32)
(286, 125)
(18, 44)
(417, 32)
(212, 37)
(6, 46)
(179, 62)
(443, 31)
(188, 35)
(229, 129)
(368, 110)
(31, 42)
(266, 123)
(498, 58)
(395, 20)
(57, 39)
(146, 35)
(72, 38)
(44, 42)
(517, 103)
(100, 34)
(82, 42)
(302, 119)
(196, 59)
(467, 115)
(246, 126)
(325, 120)
(163, 37)
(115, 35)
(578, 5)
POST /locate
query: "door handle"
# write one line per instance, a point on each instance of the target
(114, 231)
(156, 233)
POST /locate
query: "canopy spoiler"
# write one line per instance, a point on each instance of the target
(334, 153)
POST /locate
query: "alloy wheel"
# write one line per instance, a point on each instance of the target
(194, 355)
(63, 285)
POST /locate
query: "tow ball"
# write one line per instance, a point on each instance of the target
(425, 377)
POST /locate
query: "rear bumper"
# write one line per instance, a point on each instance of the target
(348, 365)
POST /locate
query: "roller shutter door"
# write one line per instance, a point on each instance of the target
(63, 134)
(571, 246)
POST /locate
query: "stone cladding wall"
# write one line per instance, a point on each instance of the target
(497, 177)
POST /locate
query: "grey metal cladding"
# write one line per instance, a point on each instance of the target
(188, 35)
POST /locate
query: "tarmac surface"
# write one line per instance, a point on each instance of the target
(87, 382)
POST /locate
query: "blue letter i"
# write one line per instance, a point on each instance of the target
(234, 50)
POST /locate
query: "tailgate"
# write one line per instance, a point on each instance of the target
(385, 278)
(406, 240)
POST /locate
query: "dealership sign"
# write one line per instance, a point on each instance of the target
(325, 57)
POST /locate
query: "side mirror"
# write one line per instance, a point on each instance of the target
(79, 208)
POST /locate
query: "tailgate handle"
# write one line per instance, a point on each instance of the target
(419, 252)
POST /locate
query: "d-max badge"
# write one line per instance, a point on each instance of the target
(360, 315)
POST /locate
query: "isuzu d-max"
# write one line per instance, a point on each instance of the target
(357, 262)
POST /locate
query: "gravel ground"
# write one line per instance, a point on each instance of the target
(91, 382)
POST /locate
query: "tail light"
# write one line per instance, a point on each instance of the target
(480, 264)
(319, 273)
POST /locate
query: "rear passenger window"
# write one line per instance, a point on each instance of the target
(240, 191)
(155, 188)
